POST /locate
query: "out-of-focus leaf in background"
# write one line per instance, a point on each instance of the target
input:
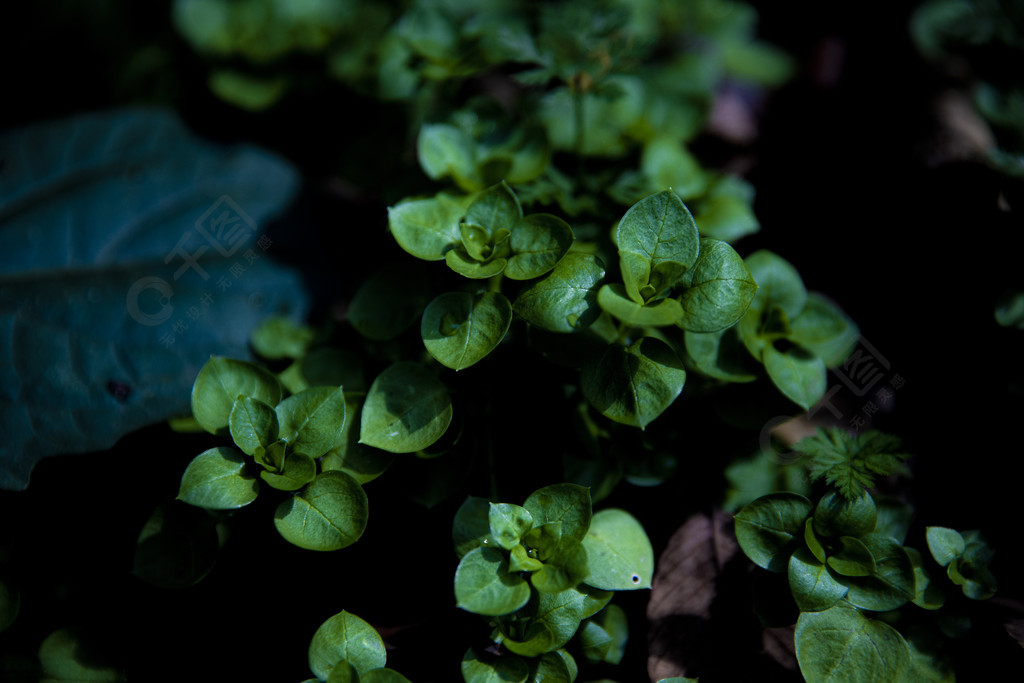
(132, 251)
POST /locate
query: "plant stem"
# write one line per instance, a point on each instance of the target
(494, 283)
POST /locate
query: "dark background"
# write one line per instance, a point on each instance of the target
(917, 252)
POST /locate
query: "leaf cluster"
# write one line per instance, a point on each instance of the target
(545, 571)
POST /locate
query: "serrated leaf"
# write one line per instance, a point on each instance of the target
(635, 384)
(253, 424)
(94, 268)
(566, 300)
(658, 242)
(619, 554)
(216, 480)
(219, 384)
(484, 585)
(841, 645)
(538, 243)
(345, 637)
(312, 421)
(460, 329)
(406, 410)
(329, 514)
(771, 528)
(719, 289)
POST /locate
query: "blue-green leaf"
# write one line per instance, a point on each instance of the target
(459, 329)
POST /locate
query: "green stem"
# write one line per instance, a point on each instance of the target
(623, 332)
(494, 283)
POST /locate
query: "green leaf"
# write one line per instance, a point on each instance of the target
(770, 528)
(841, 645)
(563, 567)
(253, 424)
(97, 292)
(554, 667)
(551, 621)
(824, 330)
(312, 421)
(297, 470)
(363, 463)
(603, 638)
(726, 211)
(329, 514)
(812, 541)
(508, 668)
(566, 300)
(383, 676)
(720, 355)
(613, 300)
(800, 376)
(944, 544)
(245, 91)
(926, 594)
(388, 302)
(667, 163)
(406, 410)
(280, 337)
(459, 329)
(220, 382)
(428, 228)
(719, 291)
(326, 366)
(779, 285)
(345, 638)
(836, 515)
(538, 242)
(343, 672)
(658, 242)
(216, 480)
(520, 560)
(893, 583)
(619, 553)
(66, 655)
(496, 208)
(471, 527)
(853, 559)
(445, 150)
(484, 585)
(508, 523)
(567, 504)
(813, 587)
(176, 547)
(465, 265)
(633, 385)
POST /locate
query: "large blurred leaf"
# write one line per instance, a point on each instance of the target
(133, 250)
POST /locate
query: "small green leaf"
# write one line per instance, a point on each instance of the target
(280, 337)
(508, 523)
(216, 480)
(944, 544)
(800, 376)
(613, 300)
(428, 228)
(329, 514)
(296, 470)
(496, 208)
(66, 655)
(812, 542)
(476, 242)
(487, 668)
(567, 504)
(836, 515)
(770, 528)
(538, 242)
(666, 162)
(566, 300)
(272, 457)
(853, 559)
(779, 285)
(362, 462)
(406, 410)
(459, 329)
(326, 366)
(382, 676)
(720, 355)
(345, 638)
(658, 242)
(220, 382)
(926, 594)
(465, 265)
(554, 667)
(444, 149)
(603, 638)
(719, 289)
(841, 645)
(563, 567)
(619, 554)
(633, 385)
(388, 302)
(892, 585)
(471, 528)
(253, 424)
(824, 330)
(313, 420)
(551, 621)
(343, 672)
(484, 585)
(520, 561)
(813, 587)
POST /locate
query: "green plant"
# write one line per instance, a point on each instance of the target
(850, 572)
